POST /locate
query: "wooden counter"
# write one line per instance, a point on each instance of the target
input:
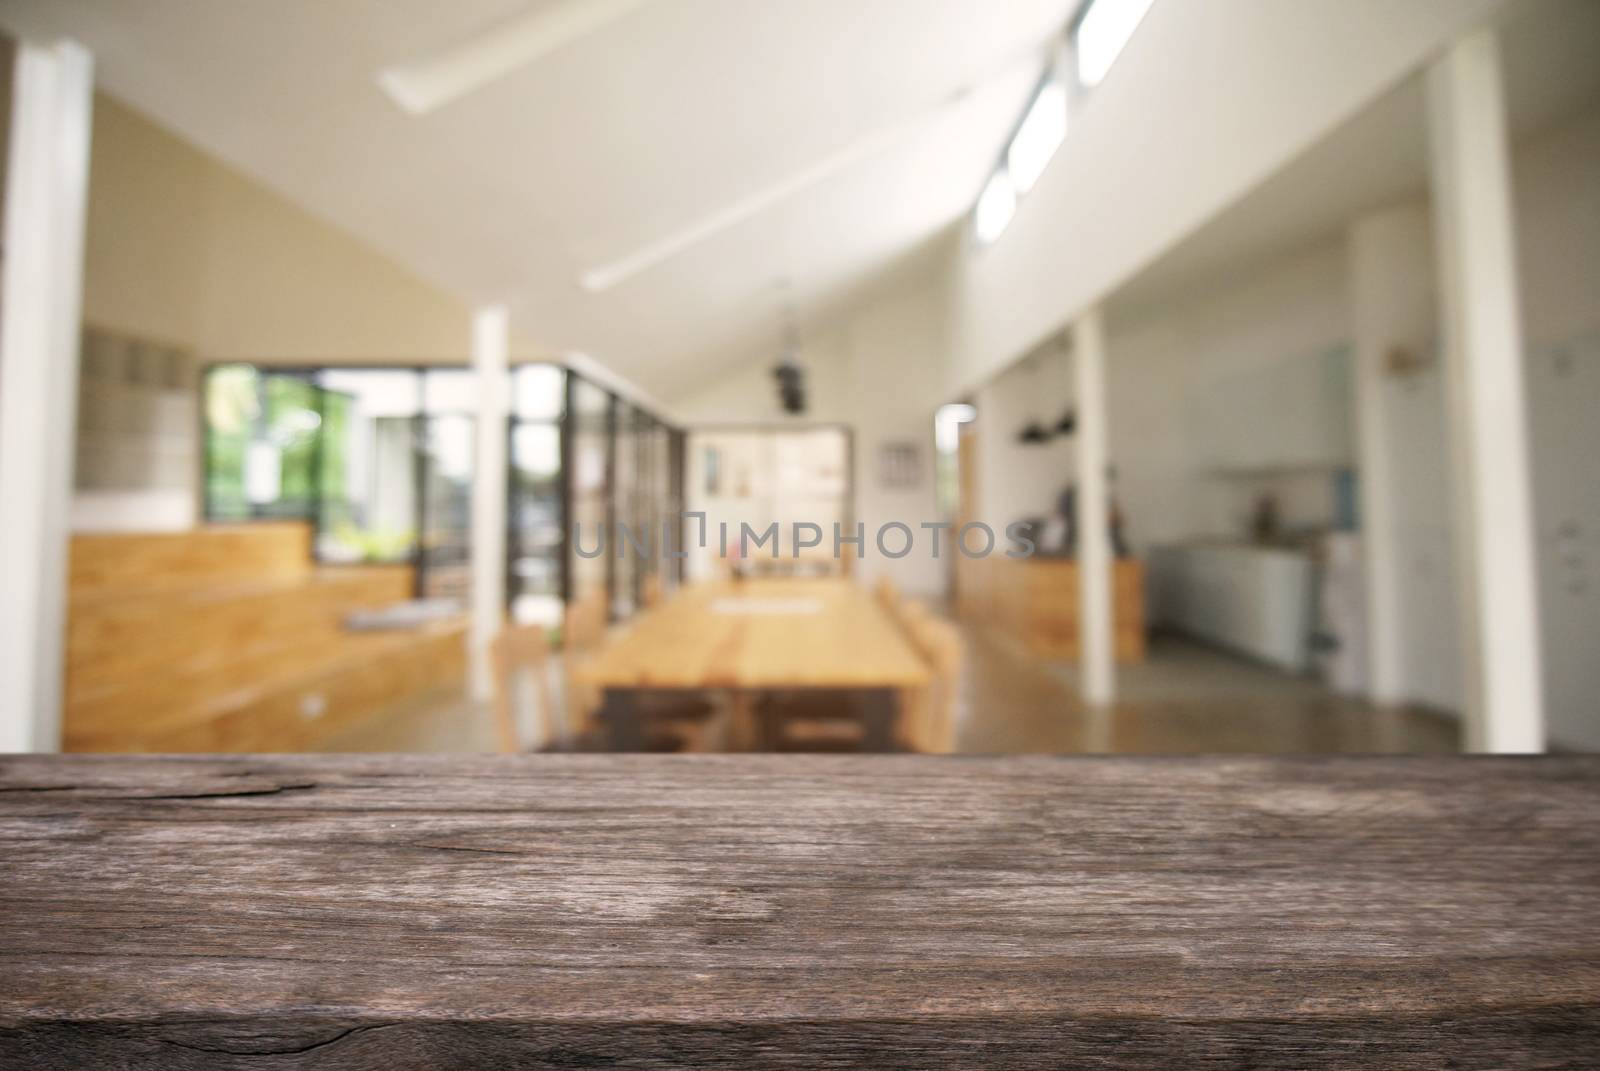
(367, 912)
(1035, 601)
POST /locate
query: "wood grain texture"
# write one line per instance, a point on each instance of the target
(360, 677)
(848, 641)
(218, 638)
(127, 564)
(1035, 600)
(643, 912)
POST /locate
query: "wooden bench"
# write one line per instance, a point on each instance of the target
(228, 638)
(753, 912)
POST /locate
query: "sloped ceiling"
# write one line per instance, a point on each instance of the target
(876, 121)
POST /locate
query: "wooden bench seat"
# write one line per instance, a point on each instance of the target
(230, 638)
(111, 642)
(290, 698)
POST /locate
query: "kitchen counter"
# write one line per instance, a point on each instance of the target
(1035, 601)
(821, 912)
(1252, 598)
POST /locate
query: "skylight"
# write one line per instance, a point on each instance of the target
(1101, 34)
(996, 206)
(1039, 136)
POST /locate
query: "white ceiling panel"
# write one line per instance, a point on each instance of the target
(656, 121)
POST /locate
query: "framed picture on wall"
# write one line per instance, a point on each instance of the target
(713, 471)
(899, 465)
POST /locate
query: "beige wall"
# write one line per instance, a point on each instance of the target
(183, 249)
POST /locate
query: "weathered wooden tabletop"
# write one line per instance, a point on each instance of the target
(763, 912)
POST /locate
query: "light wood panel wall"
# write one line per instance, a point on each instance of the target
(125, 565)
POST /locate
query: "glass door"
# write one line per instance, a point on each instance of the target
(591, 552)
(368, 465)
(535, 542)
(261, 443)
(535, 507)
(445, 559)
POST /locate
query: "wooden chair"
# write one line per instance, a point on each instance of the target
(523, 651)
(803, 722)
(930, 712)
(911, 615)
(939, 642)
(582, 634)
(810, 722)
(671, 723)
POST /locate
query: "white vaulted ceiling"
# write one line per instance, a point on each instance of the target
(838, 136)
(1377, 158)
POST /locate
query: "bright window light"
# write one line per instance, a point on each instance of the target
(996, 207)
(947, 421)
(1102, 32)
(1039, 136)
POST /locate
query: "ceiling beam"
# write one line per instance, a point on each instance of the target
(620, 270)
(430, 84)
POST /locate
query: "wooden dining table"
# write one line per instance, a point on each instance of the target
(759, 635)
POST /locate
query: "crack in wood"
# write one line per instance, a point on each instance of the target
(296, 1051)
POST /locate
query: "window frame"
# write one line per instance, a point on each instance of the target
(566, 429)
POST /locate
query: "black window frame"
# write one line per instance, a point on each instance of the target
(663, 501)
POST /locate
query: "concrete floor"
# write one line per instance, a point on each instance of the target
(1186, 698)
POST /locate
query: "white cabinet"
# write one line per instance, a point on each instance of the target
(1564, 402)
(1254, 600)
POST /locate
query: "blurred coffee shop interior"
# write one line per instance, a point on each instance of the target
(335, 334)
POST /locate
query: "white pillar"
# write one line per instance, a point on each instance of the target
(1392, 311)
(1484, 382)
(1096, 652)
(41, 293)
(490, 343)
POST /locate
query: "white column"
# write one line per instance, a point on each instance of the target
(490, 343)
(1484, 382)
(1392, 311)
(1096, 653)
(40, 293)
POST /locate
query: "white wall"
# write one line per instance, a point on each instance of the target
(1557, 206)
(898, 378)
(1558, 241)
(1179, 129)
(1191, 364)
(1400, 309)
(1289, 309)
(1017, 480)
(1160, 363)
(746, 393)
(881, 369)
(1558, 237)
